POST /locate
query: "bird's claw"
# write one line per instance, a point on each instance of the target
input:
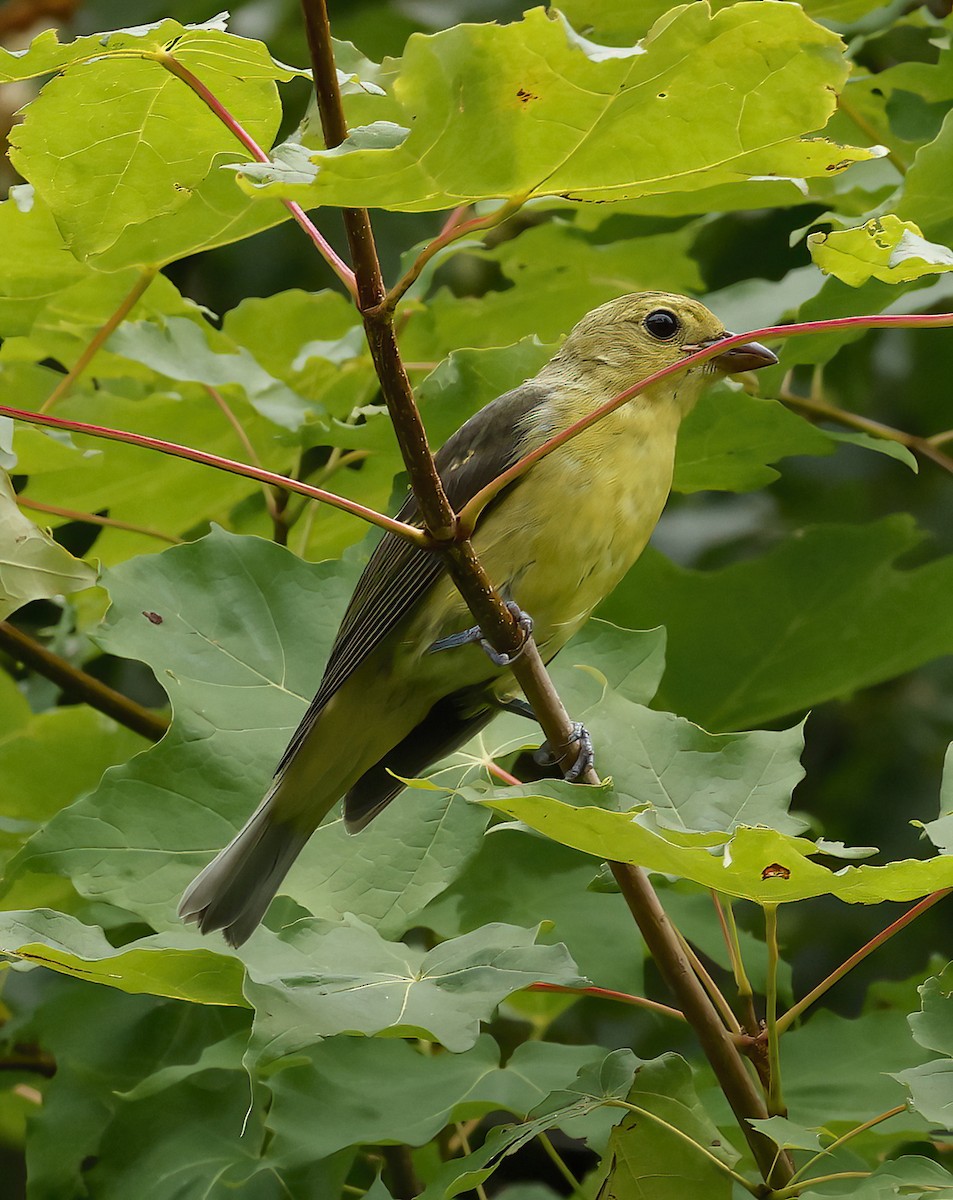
(475, 634)
(585, 759)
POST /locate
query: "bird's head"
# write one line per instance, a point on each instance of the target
(630, 338)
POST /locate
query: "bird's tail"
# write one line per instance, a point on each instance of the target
(235, 889)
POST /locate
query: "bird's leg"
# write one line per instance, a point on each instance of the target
(475, 634)
(544, 756)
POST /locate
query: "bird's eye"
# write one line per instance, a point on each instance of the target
(662, 324)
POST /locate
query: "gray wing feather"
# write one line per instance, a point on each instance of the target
(398, 574)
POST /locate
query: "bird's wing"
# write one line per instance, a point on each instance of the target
(398, 574)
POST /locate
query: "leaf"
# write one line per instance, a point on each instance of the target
(33, 749)
(929, 1084)
(884, 248)
(32, 565)
(580, 123)
(105, 1043)
(518, 879)
(102, 143)
(824, 613)
(589, 1096)
(787, 1135)
(61, 943)
(355, 1091)
(728, 440)
(756, 864)
(171, 496)
(330, 977)
(183, 350)
(647, 1160)
(907, 1176)
(925, 198)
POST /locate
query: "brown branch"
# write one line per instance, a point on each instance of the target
(500, 629)
(822, 409)
(80, 685)
(85, 518)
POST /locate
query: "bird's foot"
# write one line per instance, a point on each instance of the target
(585, 759)
(475, 634)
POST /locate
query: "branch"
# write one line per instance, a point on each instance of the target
(608, 994)
(499, 627)
(410, 532)
(470, 511)
(124, 308)
(858, 956)
(324, 248)
(85, 518)
(817, 407)
(80, 685)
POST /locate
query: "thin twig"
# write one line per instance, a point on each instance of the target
(680, 1133)
(410, 532)
(119, 314)
(712, 988)
(792, 1014)
(775, 1097)
(451, 232)
(557, 1160)
(403, 1175)
(729, 931)
(608, 994)
(275, 500)
(817, 407)
(86, 518)
(80, 685)
(466, 518)
(846, 1137)
(324, 248)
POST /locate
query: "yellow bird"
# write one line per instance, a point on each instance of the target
(555, 542)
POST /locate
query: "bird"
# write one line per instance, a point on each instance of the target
(402, 688)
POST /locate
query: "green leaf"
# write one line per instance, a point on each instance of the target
(558, 273)
(518, 879)
(32, 565)
(926, 199)
(102, 143)
(330, 977)
(580, 123)
(184, 350)
(756, 864)
(929, 1085)
(32, 751)
(355, 1090)
(696, 780)
(824, 613)
(730, 437)
(172, 496)
(155, 966)
(787, 1135)
(907, 1176)
(105, 1043)
(590, 1095)
(647, 1160)
(884, 248)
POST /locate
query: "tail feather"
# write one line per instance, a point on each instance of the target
(235, 889)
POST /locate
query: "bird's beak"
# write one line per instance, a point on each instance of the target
(750, 356)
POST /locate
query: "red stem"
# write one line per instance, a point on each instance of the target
(469, 513)
(334, 261)
(222, 464)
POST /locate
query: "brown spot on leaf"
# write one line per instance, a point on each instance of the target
(525, 96)
(152, 617)
(776, 871)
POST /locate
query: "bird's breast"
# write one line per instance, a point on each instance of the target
(569, 532)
